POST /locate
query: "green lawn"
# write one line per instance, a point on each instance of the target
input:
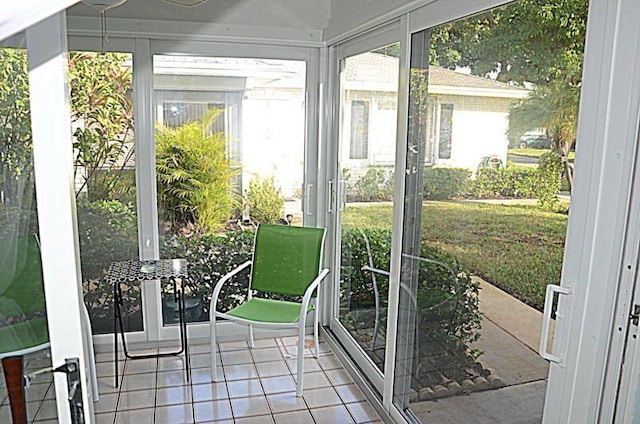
(517, 248)
(536, 153)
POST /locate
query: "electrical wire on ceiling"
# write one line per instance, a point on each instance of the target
(102, 6)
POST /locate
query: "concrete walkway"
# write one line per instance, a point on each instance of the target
(510, 337)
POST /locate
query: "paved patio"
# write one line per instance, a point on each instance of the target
(510, 339)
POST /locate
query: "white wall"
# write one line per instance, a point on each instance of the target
(479, 129)
(273, 141)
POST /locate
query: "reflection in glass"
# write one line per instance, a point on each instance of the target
(104, 171)
(24, 338)
(483, 236)
(369, 88)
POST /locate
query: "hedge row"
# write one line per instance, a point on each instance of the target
(542, 183)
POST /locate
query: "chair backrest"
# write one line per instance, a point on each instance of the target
(286, 259)
(21, 281)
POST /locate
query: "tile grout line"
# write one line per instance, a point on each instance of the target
(155, 389)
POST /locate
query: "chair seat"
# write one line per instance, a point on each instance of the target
(268, 311)
(23, 335)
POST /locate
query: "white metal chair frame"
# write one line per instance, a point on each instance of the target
(412, 296)
(300, 324)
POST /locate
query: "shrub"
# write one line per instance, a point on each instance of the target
(210, 257)
(265, 200)
(510, 182)
(194, 174)
(445, 183)
(102, 114)
(107, 233)
(376, 185)
(549, 180)
(447, 298)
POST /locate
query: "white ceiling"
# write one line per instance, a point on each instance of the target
(302, 14)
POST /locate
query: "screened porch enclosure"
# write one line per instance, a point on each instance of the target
(175, 131)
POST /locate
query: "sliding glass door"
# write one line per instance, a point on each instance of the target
(365, 181)
(447, 264)
(483, 226)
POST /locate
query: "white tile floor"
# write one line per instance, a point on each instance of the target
(256, 386)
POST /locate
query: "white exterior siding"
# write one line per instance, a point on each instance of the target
(273, 140)
(479, 129)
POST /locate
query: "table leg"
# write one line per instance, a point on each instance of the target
(13, 376)
(116, 320)
(183, 328)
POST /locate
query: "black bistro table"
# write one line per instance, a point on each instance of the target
(121, 272)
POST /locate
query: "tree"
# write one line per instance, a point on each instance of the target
(15, 125)
(537, 43)
(102, 114)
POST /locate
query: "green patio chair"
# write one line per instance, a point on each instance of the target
(286, 261)
(23, 321)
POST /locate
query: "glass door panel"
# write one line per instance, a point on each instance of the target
(230, 145)
(24, 339)
(368, 108)
(487, 188)
(105, 183)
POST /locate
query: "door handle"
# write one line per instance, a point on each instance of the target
(330, 196)
(309, 196)
(342, 195)
(546, 322)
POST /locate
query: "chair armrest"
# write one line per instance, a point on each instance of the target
(307, 294)
(376, 270)
(430, 261)
(220, 283)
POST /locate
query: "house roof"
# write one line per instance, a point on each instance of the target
(381, 71)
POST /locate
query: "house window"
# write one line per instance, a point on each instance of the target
(176, 114)
(446, 126)
(359, 147)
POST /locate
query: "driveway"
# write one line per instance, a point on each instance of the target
(523, 160)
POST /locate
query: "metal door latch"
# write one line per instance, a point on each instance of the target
(72, 369)
(635, 315)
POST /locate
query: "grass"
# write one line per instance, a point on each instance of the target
(517, 248)
(536, 153)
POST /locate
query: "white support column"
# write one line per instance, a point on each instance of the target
(146, 189)
(53, 158)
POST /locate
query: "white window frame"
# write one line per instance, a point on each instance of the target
(143, 50)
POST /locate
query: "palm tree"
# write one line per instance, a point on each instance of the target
(553, 106)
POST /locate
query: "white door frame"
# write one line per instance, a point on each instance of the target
(380, 37)
(619, 395)
(593, 264)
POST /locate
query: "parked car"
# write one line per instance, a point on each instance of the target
(535, 142)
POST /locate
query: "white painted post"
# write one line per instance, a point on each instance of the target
(53, 158)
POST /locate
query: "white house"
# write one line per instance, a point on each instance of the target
(263, 103)
(469, 115)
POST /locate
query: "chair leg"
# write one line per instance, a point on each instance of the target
(300, 370)
(13, 377)
(251, 343)
(91, 353)
(316, 313)
(214, 365)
